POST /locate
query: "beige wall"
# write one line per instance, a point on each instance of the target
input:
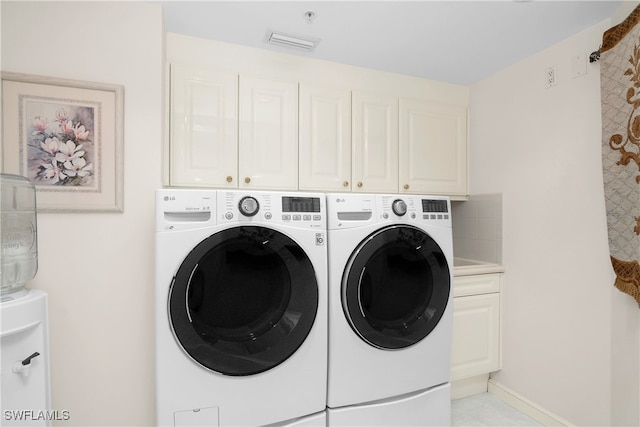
(98, 268)
(570, 340)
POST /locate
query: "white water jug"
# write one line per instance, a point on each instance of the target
(18, 232)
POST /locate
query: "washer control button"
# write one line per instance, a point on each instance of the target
(267, 215)
(248, 206)
(228, 215)
(399, 207)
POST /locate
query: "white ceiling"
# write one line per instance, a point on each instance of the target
(459, 42)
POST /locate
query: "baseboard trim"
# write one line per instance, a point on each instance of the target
(467, 387)
(525, 405)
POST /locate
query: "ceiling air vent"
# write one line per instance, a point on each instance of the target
(291, 40)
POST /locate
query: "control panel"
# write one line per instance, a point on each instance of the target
(356, 210)
(194, 208)
(409, 207)
(303, 210)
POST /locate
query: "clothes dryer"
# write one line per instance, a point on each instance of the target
(390, 309)
(241, 285)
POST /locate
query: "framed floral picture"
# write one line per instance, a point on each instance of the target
(66, 137)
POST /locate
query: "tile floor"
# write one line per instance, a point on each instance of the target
(487, 410)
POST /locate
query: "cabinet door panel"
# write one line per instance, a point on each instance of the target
(476, 284)
(375, 143)
(268, 154)
(476, 335)
(433, 148)
(325, 139)
(204, 127)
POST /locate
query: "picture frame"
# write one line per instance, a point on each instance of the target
(66, 138)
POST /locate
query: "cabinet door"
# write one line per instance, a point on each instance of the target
(476, 284)
(268, 145)
(325, 139)
(375, 143)
(433, 148)
(476, 335)
(203, 127)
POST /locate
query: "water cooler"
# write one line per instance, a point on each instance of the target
(25, 392)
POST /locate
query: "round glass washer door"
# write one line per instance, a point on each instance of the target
(243, 300)
(395, 287)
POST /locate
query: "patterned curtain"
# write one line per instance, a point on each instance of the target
(620, 93)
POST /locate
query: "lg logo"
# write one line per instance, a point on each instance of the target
(340, 200)
(169, 198)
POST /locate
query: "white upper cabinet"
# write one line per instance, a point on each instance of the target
(374, 143)
(433, 148)
(249, 118)
(230, 132)
(204, 127)
(325, 138)
(268, 138)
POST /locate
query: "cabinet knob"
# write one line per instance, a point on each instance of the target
(406, 186)
(229, 178)
(359, 184)
(247, 180)
(345, 184)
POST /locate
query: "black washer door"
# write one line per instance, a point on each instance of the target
(243, 300)
(395, 287)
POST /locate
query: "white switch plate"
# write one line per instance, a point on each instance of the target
(579, 65)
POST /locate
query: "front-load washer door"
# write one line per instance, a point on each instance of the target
(243, 300)
(395, 287)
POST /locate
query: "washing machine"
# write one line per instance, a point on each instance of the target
(241, 308)
(390, 309)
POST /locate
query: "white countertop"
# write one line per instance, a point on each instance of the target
(468, 267)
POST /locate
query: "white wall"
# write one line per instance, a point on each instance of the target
(565, 327)
(98, 268)
(252, 61)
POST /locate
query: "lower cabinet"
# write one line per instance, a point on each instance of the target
(476, 330)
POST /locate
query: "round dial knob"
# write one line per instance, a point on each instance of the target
(399, 207)
(248, 206)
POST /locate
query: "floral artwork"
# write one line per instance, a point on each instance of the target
(61, 144)
(66, 137)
